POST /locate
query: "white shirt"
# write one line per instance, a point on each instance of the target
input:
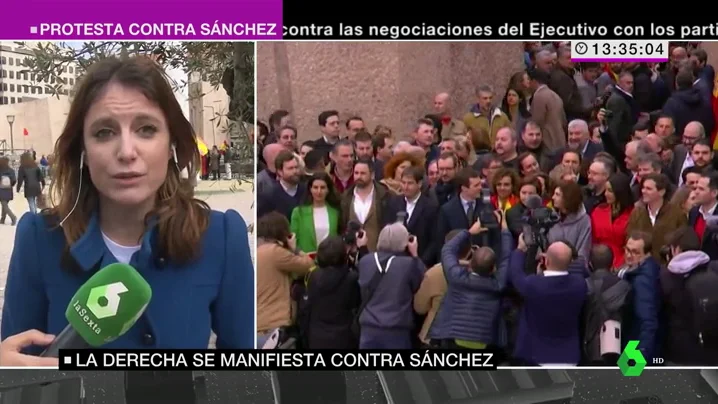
(410, 205)
(363, 206)
(687, 162)
(549, 272)
(122, 253)
(291, 191)
(653, 216)
(709, 212)
(466, 203)
(321, 223)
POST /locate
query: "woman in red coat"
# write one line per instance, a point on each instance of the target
(609, 219)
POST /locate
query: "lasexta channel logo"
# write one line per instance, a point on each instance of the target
(631, 353)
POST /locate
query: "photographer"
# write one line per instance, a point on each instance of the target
(389, 279)
(690, 296)
(574, 225)
(332, 298)
(278, 263)
(473, 297)
(549, 323)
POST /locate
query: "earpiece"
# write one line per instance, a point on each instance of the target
(82, 159)
(174, 153)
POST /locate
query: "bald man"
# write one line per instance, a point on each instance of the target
(267, 177)
(692, 133)
(449, 125)
(549, 323)
(678, 55)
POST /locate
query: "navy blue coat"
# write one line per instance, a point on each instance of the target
(473, 302)
(6, 194)
(643, 322)
(689, 105)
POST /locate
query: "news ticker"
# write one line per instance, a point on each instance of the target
(277, 360)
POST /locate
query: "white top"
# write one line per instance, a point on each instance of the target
(122, 253)
(363, 206)
(687, 162)
(410, 206)
(321, 223)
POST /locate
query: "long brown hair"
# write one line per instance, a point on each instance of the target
(181, 219)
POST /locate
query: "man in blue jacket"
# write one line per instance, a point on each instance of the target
(642, 323)
(549, 323)
(473, 297)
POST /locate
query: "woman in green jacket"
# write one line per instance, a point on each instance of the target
(318, 216)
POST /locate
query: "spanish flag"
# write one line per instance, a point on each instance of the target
(504, 205)
(714, 103)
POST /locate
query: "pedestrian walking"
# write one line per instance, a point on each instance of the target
(30, 175)
(7, 181)
(214, 163)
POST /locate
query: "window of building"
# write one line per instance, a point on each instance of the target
(12, 74)
(72, 81)
(3, 60)
(32, 77)
(64, 69)
(19, 100)
(26, 88)
(3, 87)
(71, 70)
(3, 73)
(32, 90)
(4, 101)
(12, 87)
(12, 99)
(11, 60)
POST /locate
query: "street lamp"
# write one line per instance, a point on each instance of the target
(10, 121)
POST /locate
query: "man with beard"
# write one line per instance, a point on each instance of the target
(505, 148)
(364, 203)
(532, 141)
(702, 155)
(445, 189)
(287, 193)
(682, 159)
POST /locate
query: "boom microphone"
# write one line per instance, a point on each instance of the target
(103, 309)
(534, 202)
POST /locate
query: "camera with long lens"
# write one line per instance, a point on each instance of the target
(538, 220)
(350, 235)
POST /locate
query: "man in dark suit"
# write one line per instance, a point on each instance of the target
(287, 193)
(460, 213)
(329, 125)
(421, 211)
(692, 133)
(706, 193)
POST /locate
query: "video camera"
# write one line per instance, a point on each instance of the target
(538, 221)
(486, 214)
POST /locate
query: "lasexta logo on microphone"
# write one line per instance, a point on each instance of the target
(102, 302)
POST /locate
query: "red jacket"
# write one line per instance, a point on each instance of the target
(610, 232)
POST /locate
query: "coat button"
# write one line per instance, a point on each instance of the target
(148, 339)
(160, 262)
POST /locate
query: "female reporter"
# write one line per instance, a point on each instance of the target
(118, 197)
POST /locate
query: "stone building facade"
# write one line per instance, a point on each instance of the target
(390, 83)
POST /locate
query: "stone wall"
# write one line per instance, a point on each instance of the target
(390, 83)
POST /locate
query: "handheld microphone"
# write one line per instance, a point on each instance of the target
(103, 309)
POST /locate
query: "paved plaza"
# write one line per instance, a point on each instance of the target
(220, 195)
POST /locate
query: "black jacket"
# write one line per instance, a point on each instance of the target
(332, 300)
(689, 105)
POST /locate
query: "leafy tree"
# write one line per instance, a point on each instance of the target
(226, 64)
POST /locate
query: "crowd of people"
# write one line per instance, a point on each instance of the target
(554, 224)
(29, 176)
